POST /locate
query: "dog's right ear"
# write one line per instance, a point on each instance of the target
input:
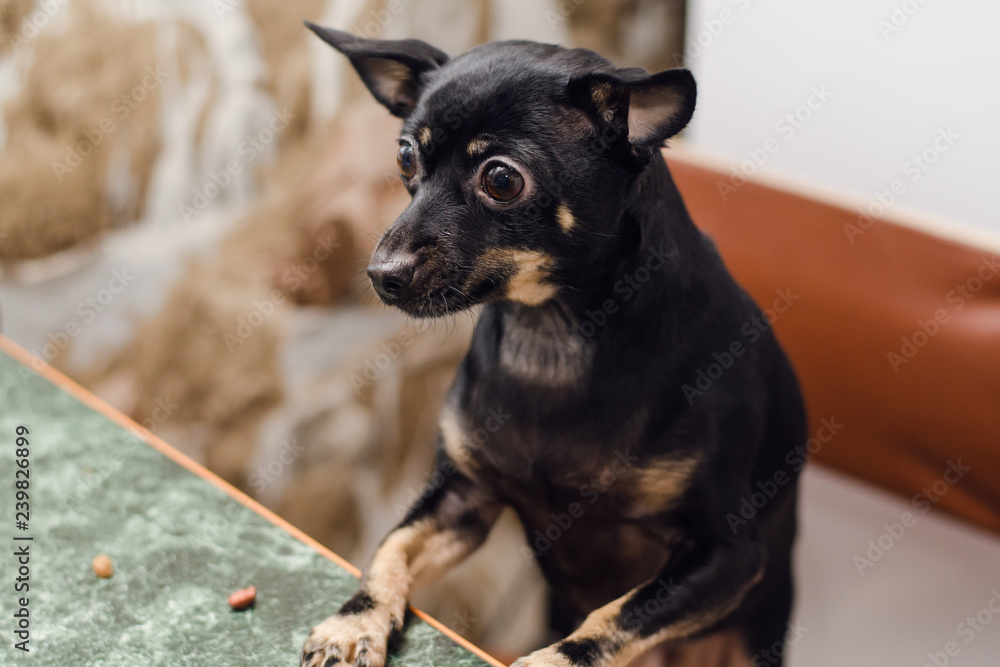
(647, 108)
(392, 69)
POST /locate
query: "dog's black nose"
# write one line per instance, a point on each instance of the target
(390, 279)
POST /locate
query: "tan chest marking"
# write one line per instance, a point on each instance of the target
(528, 285)
(528, 271)
(545, 352)
(658, 486)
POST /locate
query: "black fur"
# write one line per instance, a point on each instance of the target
(630, 303)
(359, 603)
(583, 652)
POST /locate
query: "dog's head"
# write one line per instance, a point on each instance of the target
(518, 156)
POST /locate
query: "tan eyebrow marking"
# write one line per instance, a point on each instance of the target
(477, 146)
(565, 217)
(425, 136)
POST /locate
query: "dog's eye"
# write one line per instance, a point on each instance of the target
(407, 161)
(502, 183)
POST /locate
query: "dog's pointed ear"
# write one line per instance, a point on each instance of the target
(650, 107)
(392, 69)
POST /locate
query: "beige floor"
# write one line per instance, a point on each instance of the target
(912, 604)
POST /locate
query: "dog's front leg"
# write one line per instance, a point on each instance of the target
(694, 591)
(437, 533)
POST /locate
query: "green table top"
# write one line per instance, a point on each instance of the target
(180, 546)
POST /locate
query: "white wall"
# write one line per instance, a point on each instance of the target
(897, 74)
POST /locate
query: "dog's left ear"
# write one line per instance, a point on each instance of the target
(650, 107)
(392, 69)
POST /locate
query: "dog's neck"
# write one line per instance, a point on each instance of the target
(543, 344)
(654, 205)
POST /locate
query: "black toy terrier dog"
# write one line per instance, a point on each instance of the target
(540, 191)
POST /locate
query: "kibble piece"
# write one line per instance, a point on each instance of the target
(103, 567)
(243, 598)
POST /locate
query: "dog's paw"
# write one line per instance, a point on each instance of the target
(360, 640)
(546, 657)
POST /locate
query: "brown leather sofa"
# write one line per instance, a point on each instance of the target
(893, 329)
